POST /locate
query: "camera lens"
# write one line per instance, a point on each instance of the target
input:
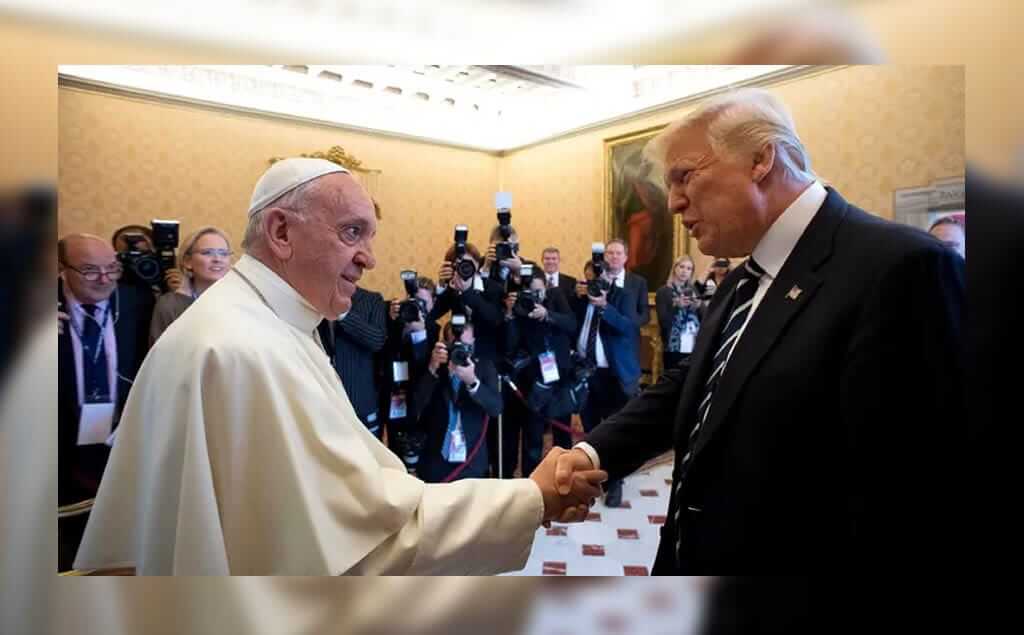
(466, 269)
(147, 268)
(408, 311)
(459, 354)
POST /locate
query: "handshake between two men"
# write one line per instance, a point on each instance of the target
(569, 485)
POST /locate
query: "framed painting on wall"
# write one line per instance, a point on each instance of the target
(636, 209)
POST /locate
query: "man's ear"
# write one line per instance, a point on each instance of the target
(764, 161)
(278, 226)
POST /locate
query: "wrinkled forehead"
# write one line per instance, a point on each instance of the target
(689, 143)
(89, 251)
(342, 198)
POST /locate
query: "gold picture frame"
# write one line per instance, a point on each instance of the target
(636, 209)
(655, 236)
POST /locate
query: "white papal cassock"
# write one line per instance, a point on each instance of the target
(239, 453)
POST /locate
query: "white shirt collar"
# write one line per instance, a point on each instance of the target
(283, 299)
(778, 242)
(620, 279)
(76, 305)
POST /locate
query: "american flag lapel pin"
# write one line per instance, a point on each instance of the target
(794, 293)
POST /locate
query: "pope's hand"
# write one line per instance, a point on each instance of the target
(584, 486)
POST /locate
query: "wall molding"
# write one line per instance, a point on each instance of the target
(137, 94)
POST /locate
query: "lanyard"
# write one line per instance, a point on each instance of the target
(80, 331)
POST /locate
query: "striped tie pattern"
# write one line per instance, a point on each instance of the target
(740, 306)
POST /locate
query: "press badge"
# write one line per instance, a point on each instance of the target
(399, 371)
(548, 367)
(398, 406)
(456, 450)
(95, 422)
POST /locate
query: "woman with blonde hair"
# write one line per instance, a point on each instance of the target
(204, 259)
(679, 312)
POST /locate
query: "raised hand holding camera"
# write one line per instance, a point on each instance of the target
(438, 358)
(466, 374)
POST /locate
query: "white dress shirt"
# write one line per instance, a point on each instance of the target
(771, 254)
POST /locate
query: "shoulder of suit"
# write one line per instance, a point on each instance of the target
(888, 243)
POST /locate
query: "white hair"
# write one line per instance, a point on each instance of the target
(742, 123)
(298, 201)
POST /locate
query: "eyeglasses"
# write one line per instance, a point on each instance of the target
(210, 253)
(92, 274)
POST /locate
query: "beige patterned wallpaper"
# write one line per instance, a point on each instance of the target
(869, 130)
(125, 160)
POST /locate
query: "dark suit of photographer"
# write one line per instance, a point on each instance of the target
(410, 342)
(449, 397)
(618, 313)
(478, 298)
(548, 328)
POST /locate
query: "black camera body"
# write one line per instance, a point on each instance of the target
(465, 269)
(706, 289)
(526, 301)
(140, 264)
(412, 309)
(149, 267)
(459, 353)
(598, 285)
(504, 249)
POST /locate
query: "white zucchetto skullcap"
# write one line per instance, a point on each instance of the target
(286, 175)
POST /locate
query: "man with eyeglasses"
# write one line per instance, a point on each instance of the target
(241, 453)
(103, 334)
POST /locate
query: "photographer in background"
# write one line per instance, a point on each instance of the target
(103, 336)
(502, 259)
(679, 313)
(713, 278)
(462, 289)
(609, 339)
(205, 258)
(147, 256)
(539, 325)
(452, 401)
(412, 333)
(351, 342)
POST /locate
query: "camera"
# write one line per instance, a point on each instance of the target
(145, 266)
(413, 308)
(526, 301)
(505, 250)
(465, 269)
(526, 298)
(598, 285)
(459, 353)
(705, 289)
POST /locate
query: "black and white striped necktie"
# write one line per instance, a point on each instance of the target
(740, 306)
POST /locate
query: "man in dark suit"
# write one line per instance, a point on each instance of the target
(402, 362)
(810, 424)
(452, 402)
(551, 259)
(609, 339)
(352, 342)
(103, 337)
(537, 339)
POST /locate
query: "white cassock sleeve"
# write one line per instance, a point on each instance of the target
(249, 460)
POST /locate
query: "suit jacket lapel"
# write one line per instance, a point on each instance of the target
(777, 309)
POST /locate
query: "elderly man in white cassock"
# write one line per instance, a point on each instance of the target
(239, 453)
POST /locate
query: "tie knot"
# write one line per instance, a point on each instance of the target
(90, 309)
(752, 269)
